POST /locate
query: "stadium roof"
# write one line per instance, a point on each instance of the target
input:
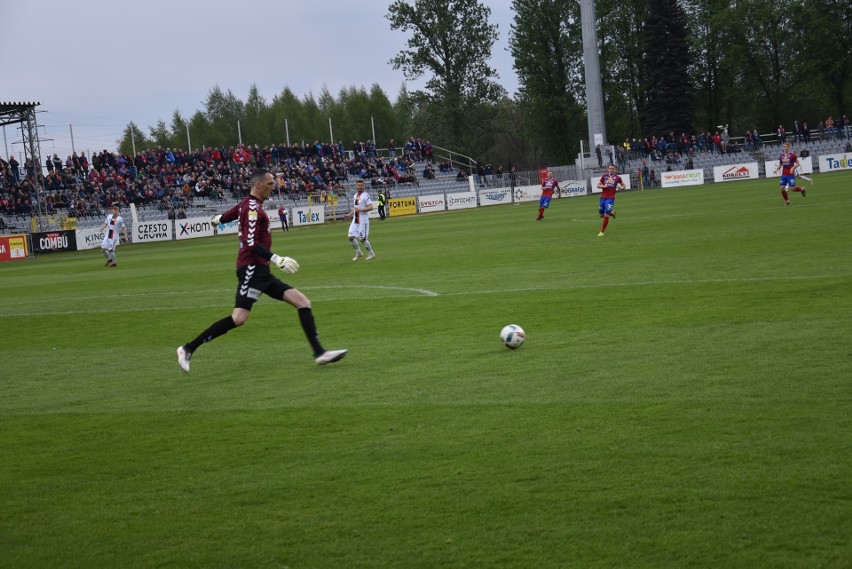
(11, 113)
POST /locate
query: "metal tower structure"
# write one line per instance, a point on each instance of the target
(25, 115)
(594, 89)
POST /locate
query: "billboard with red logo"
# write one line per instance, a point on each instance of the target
(13, 247)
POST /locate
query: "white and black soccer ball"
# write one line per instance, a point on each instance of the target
(513, 336)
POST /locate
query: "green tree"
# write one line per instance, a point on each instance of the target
(713, 70)
(403, 110)
(550, 75)
(452, 40)
(754, 64)
(314, 125)
(512, 146)
(286, 113)
(161, 135)
(620, 29)
(382, 114)
(326, 102)
(224, 111)
(345, 117)
(667, 85)
(827, 78)
(178, 131)
(200, 129)
(255, 130)
(133, 137)
(331, 110)
(764, 41)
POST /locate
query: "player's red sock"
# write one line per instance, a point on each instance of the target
(540, 213)
(605, 222)
(799, 189)
(785, 195)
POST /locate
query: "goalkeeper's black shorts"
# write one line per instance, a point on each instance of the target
(254, 280)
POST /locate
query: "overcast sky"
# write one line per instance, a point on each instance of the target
(98, 64)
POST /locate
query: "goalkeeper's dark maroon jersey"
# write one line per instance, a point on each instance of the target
(253, 230)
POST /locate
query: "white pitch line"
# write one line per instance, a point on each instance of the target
(644, 283)
(135, 294)
(418, 292)
(422, 291)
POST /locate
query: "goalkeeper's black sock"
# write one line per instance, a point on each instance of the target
(306, 317)
(219, 328)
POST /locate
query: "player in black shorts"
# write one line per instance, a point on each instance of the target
(255, 277)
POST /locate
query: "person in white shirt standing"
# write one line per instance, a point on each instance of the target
(359, 229)
(114, 222)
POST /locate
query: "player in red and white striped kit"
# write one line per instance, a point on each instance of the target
(609, 184)
(788, 163)
(548, 186)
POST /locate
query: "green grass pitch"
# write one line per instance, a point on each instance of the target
(684, 398)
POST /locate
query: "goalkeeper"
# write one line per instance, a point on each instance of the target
(254, 276)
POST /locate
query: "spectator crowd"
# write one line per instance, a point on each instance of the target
(172, 179)
(673, 149)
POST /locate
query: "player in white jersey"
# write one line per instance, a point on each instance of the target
(359, 229)
(802, 176)
(114, 222)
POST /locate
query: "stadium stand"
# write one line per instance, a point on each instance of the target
(678, 156)
(170, 183)
(166, 183)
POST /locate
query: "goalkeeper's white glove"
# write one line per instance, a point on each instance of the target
(216, 220)
(286, 264)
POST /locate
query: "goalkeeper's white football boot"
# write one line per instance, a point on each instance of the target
(371, 256)
(358, 255)
(183, 358)
(330, 356)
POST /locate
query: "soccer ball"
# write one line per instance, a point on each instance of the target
(513, 336)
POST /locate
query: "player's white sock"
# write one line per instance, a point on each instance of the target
(367, 246)
(355, 245)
